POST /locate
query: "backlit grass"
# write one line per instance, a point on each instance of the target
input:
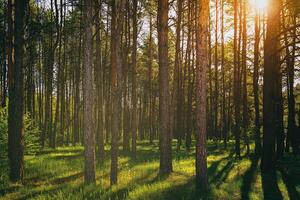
(58, 174)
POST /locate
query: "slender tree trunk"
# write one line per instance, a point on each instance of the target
(165, 135)
(256, 86)
(216, 92)
(244, 73)
(173, 111)
(134, 85)
(224, 119)
(99, 84)
(211, 123)
(63, 75)
(88, 97)
(126, 70)
(77, 72)
(201, 64)
(151, 110)
(188, 139)
(116, 82)
(236, 83)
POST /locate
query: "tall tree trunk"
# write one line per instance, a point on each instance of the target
(165, 135)
(211, 123)
(63, 75)
(134, 85)
(201, 64)
(216, 92)
(256, 86)
(59, 75)
(16, 93)
(236, 85)
(150, 84)
(173, 112)
(88, 97)
(126, 70)
(224, 119)
(99, 83)
(244, 73)
(271, 77)
(116, 82)
(77, 72)
(188, 139)
(290, 63)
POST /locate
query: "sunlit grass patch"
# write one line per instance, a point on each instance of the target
(58, 174)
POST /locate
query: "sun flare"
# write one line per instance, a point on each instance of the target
(259, 4)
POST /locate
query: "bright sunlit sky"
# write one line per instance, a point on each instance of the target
(259, 4)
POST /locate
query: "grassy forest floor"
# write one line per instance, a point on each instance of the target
(58, 174)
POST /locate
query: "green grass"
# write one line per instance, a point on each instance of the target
(58, 174)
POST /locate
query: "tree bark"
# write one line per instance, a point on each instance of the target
(116, 83)
(134, 85)
(216, 92)
(224, 119)
(88, 97)
(165, 135)
(256, 86)
(99, 83)
(244, 73)
(271, 77)
(236, 85)
(173, 111)
(16, 92)
(201, 65)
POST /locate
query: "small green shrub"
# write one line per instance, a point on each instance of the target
(3, 133)
(31, 134)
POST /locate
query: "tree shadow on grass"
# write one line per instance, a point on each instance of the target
(122, 193)
(217, 175)
(60, 150)
(249, 177)
(290, 184)
(187, 191)
(67, 157)
(11, 189)
(270, 186)
(31, 195)
(66, 179)
(35, 182)
(222, 174)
